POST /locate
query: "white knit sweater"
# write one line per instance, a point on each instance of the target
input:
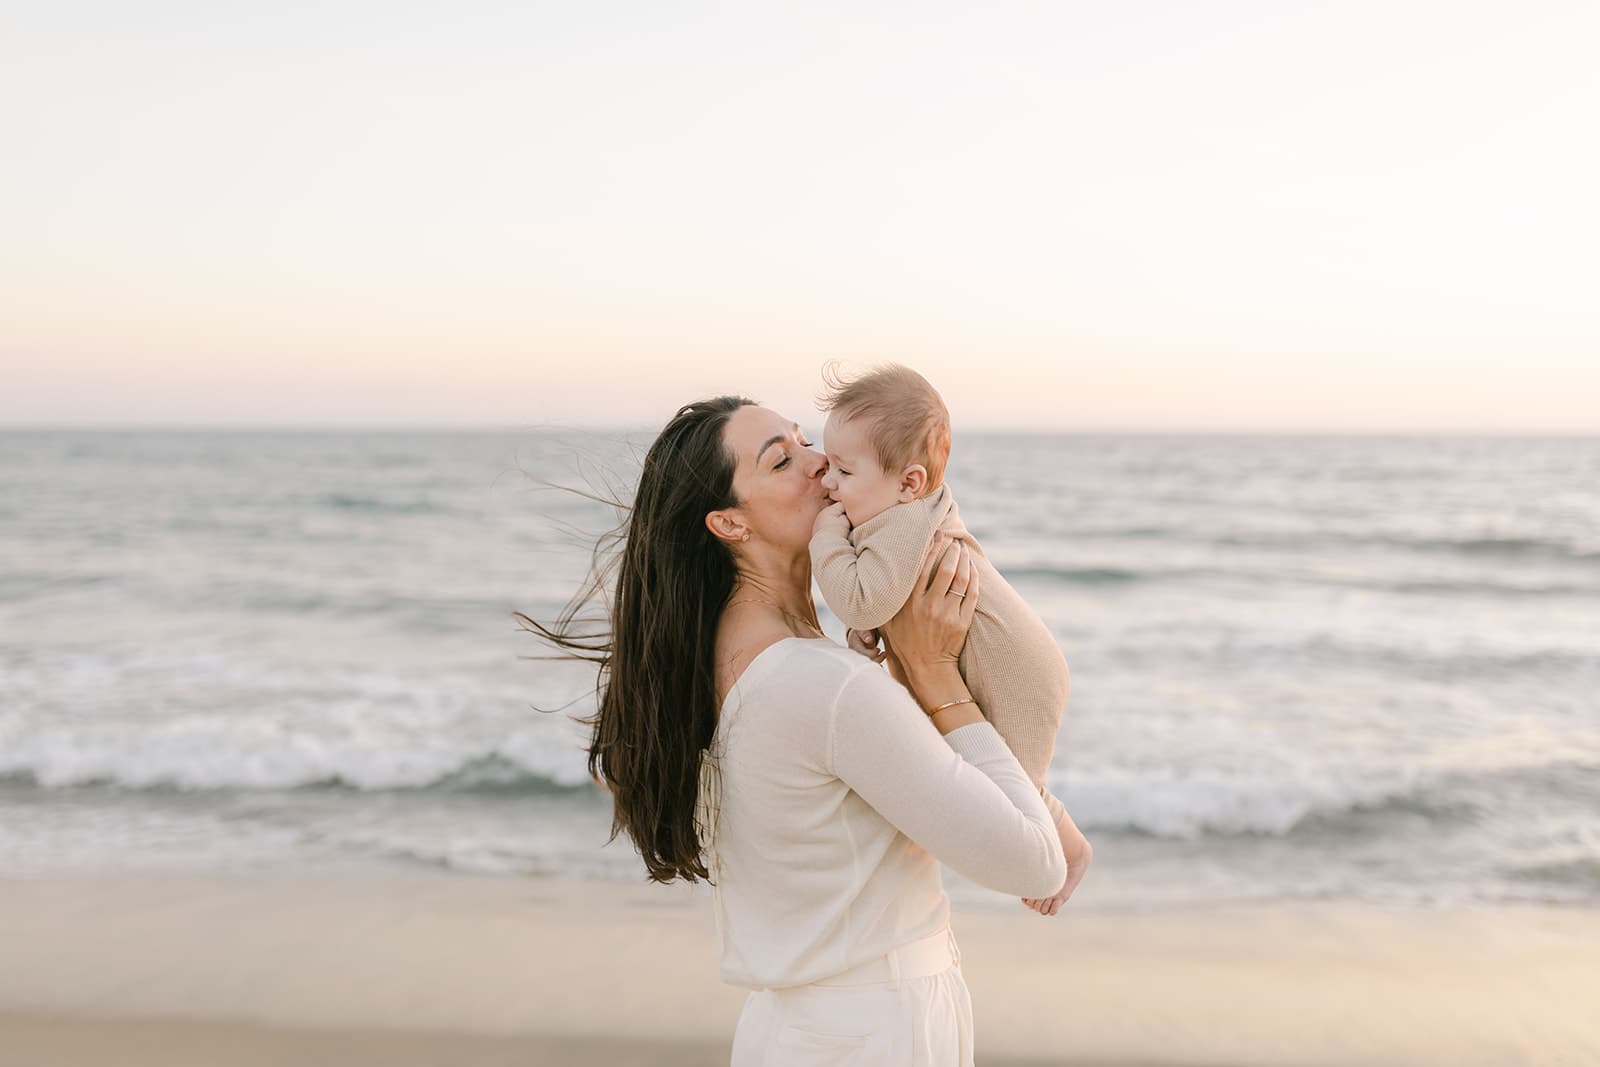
(827, 802)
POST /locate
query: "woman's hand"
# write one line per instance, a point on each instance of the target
(927, 633)
(931, 626)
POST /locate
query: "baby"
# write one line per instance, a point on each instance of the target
(887, 438)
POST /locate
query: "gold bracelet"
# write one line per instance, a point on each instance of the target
(953, 703)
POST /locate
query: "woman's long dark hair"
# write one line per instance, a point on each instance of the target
(655, 689)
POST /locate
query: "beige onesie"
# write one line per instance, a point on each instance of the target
(1011, 661)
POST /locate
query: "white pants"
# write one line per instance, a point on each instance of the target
(909, 1009)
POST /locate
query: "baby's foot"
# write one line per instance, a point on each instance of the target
(1078, 852)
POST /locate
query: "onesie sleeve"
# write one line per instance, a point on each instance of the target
(866, 575)
(1053, 805)
(963, 796)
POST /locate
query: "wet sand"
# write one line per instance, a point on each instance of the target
(394, 965)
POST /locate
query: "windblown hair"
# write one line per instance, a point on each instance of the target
(655, 688)
(910, 423)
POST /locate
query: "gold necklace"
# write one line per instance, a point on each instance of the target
(770, 604)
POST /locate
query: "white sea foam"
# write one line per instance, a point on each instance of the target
(1301, 666)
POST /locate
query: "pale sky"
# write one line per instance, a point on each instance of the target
(1201, 215)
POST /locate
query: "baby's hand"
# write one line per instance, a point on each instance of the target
(866, 643)
(1078, 852)
(832, 518)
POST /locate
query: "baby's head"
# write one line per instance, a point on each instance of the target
(887, 439)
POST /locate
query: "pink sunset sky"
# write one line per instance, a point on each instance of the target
(1232, 216)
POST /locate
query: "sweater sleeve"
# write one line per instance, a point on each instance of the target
(867, 576)
(963, 797)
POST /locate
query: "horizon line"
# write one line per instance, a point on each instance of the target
(981, 428)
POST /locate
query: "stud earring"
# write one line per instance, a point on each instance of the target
(746, 536)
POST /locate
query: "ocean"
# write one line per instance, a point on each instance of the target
(1361, 668)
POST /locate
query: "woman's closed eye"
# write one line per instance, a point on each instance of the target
(784, 462)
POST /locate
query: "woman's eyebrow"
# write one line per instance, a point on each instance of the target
(772, 441)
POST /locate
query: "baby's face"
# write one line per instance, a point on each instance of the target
(854, 478)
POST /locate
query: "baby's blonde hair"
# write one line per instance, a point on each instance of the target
(910, 423)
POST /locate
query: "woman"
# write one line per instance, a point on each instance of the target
(822, 791)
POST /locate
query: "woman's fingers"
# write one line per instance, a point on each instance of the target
(930, 628)
(969, 602)
(955, 573)
(945, 574)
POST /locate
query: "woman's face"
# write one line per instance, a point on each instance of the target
(777, 476)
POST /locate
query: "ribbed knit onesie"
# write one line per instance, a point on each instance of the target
(1011, 661)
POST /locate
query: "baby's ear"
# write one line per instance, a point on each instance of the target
(913, 480)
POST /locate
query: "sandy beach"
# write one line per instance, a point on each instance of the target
(401, 965)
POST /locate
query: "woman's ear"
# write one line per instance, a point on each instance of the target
(912, 481)
(727, 526)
